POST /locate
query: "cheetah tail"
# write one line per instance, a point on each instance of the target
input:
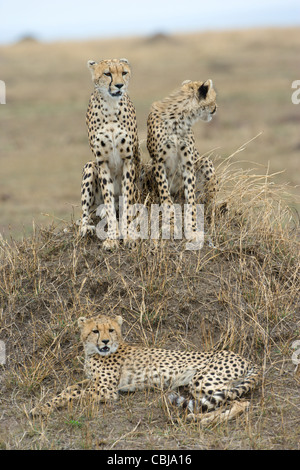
(218, 397)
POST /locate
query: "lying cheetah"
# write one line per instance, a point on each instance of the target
(113, 138)
(171, 144)
(112, 366)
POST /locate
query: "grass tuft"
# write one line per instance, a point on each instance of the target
(242, 294)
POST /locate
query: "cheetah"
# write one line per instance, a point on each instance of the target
(113, 139)
(171, 145)
(113, 366)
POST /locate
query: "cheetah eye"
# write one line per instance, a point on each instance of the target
(107, 74)
(124, 73)
(111, 330)
(96, 331)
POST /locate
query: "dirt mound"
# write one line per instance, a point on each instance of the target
(242, 293)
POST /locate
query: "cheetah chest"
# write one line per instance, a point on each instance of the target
(110, 136)
(111, 144)
(174, 160)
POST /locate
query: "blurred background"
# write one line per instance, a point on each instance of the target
(249, 49)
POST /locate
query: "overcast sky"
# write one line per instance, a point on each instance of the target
(84, 19)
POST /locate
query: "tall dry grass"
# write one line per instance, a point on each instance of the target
(242, 293)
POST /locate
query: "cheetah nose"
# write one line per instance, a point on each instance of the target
(105, 341)
(119, 85)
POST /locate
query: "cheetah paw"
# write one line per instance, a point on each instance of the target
(39, 411)
(84, 229)
(219, 415)
(195, 240)
(129, 243)
(110, 244)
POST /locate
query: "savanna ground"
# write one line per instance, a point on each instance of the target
(241, 294)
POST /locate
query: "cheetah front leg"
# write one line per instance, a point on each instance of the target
(83, 390)
(107, 188)
(90, 197)
(188, 174)
(160, 175)
(128, 194)
(62, 399)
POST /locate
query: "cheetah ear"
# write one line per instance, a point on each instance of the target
(119, 320)
(209, 83)
(91, 64)
(204, 88)
(81, 321)
(186, 81)
(124, 60)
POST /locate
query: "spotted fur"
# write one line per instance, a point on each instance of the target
(113, 139)
(171, 144)
(113, 366)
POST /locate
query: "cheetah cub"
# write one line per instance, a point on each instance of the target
(171, 145)
(113, 139)
(113, 366)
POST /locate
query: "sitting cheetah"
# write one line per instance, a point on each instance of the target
(112, 366)
(112, 132)
(171, 144)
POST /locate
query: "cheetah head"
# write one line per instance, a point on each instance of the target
(111, 77)
(101, 335)
(202, 98)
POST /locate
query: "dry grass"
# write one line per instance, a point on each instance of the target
(243, 295)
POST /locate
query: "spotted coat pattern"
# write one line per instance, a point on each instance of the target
(113, 366)
(171, 144)
(113, 139)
